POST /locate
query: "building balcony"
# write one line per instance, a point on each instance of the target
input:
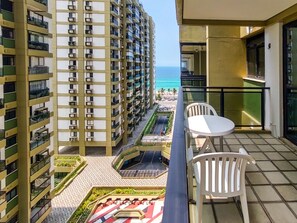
(114, 138)
(40, 209)
(44, 2)
(7, 15)
(115, 102)
(9, 70)
(40, 140)
(8, 42)
(72, 67)
(10, 124)
(88, 31)
(40, 185)
(13, 176)
(88, 20)
(38, 93)
(39, 69)
(38, 46)
(115, 79)
(37, 22)
(115, 113)
(39, 115)
(35, 167)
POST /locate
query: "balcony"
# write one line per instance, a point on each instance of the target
(89, 43)
(10, 124)
(89, 67)
(71, 19)
(114, 138)
(9, 70)
(88, 20)
(39, 115)
(44, 2)
(2, 134)
(88, 31)
(72, 31)
(71, 7)
(72, 67)
(7, 15)
(35, 167)
(114, 114)
(40, 185)
(8, 42)
(71, 43)
(39, 69)
(37, 22)
(38, 141)
(38, 93)
(88, 8)
(38, 45)
(88, 55)
(39, 209)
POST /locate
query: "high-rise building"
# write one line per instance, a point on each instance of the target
(105, 71)
(26, 115)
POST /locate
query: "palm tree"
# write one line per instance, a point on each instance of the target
(174, 91)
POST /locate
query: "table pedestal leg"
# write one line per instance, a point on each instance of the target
(207, 143)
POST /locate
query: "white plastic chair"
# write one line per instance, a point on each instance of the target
(221, 175)
(198, 109)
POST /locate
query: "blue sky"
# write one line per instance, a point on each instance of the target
(166, 31)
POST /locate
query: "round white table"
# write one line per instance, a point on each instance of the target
(209, 126)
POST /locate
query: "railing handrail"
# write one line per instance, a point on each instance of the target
(176, 208)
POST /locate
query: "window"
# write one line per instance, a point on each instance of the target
(256, 57)
(10, 114)
(11, 141)
(9, 87)
(11, 167)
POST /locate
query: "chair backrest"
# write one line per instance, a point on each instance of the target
(221, 174)
(199, 109)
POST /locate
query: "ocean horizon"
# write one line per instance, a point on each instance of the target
(167, 77)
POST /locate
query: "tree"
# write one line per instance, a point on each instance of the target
(162, 91)
(174, 91)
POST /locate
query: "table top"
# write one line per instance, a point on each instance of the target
(209, 125)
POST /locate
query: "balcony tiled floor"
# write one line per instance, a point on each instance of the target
(271, 184)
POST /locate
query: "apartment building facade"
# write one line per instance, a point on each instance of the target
(105, 72)
(26, 111)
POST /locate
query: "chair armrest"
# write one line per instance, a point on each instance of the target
(244, 152)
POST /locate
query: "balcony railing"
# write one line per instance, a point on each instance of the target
(9, 70)
(1, 103)
(39, 141)
(245, 106)
(2, 134)
(39, 117)
(8, 42)
(9, 97)
(7, 15)
(42, 206)
(38, 165)
(38, 45)
(37, 22)
(10, 124)
(39, 93)
(37, 190)
(44, 2)
(39, 69)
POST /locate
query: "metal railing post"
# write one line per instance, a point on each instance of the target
(262, 108)
(222, 103)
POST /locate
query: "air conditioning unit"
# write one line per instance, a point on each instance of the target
(72, 79)
(71, 55)
(90, 138)
(72, 127)
(88, 31)
(89, 55)
(72, 103)
(71, 7)
(88, 43)
(89, 103)
(71, 43)
(71, 31)
(89, 67)
(89, 79)
(71, 19)
(88, 19)
(73, 139)
(89, 91)
(72, 115)
(89, 115)
(89, 126)
(88, 7)
(72, 67)
(72, 91)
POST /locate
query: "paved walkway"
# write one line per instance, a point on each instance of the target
(98, 172)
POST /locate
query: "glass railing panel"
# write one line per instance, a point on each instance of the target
(9, 97)
(40, 117)
(37, 190)
(7, 15)
(9, 70)
(39, 141)
(8, 43)
(38, 165)
(11, 177)
(38, 45)
(11, 150)
(39, 93)
(12, 203)
(37, 22)
(39, 69)
(10, 124)
(40, 208)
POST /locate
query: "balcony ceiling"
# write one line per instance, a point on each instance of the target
(243, 12)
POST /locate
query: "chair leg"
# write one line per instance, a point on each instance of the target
(199, 205)
(244, 207)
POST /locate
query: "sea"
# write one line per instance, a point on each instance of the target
(167, 78)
